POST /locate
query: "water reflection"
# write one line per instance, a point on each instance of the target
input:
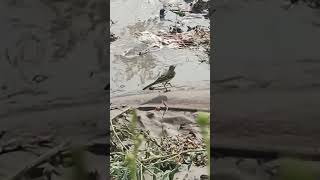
(133, 71)
(130, 72)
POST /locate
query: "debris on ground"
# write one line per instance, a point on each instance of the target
(157, 156)
(162, 14)
(200, 6)
(51, 158)
(175, 38)
(149, 38)
(185, 27)
(190, 8)
(137, 51)
(113, 37)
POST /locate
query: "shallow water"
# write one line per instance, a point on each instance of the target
(130, 75)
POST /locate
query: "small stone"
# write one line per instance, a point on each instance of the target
(175, 29)
(150, 114)
(204, 177)
(39, 78)
(158, 108)
(113, 37)
(162, 14)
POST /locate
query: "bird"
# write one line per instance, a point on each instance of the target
(164, 78)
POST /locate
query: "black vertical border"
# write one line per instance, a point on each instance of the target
(107, 107)
(211, 61)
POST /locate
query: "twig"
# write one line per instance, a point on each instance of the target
(151, 107)
(146, 168)
(40, 160)
(165, 104)
(115, 133)
(117, 153)
(112, 126)
(173, 155)
(119, 114)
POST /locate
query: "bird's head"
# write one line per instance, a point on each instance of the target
(172, 67)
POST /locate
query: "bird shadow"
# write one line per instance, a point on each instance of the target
(160, 88)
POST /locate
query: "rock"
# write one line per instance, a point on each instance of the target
(39, 78)
(162, 14)
(175, 29)
(204, 177)
(113, 37)
(150, 115)
(199, 6)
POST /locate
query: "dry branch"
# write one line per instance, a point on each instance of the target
(40, 160)
(152, 107)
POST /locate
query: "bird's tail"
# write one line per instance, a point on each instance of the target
(148, 86)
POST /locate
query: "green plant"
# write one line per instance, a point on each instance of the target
(203, 121)
(132, 156)
(135, 154)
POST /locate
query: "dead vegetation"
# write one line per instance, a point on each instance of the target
(55, 159)
(153, 157)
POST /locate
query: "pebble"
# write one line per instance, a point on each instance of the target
(39, 78)
(150, 114)
(204, 177)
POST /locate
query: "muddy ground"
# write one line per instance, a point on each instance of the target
(130, 72)
(43, 45)
(141, 51)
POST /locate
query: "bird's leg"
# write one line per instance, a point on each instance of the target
(166, 89)
(170, 84)
(164, 85)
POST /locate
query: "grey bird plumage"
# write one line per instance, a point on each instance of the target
(164, 78)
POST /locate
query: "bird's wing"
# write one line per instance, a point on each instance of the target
(162, 74)
(162, 78)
